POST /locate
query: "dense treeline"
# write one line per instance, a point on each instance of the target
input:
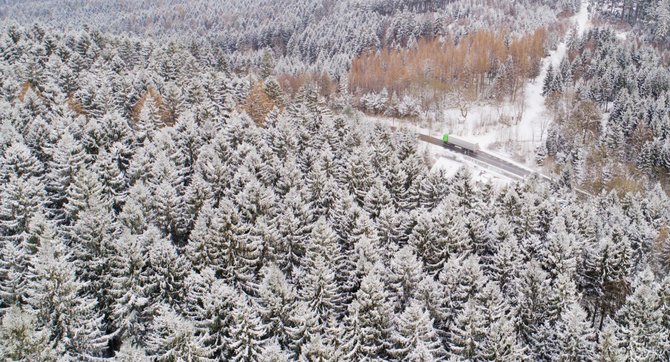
(650, 17)
(627, 84)
(304, 36)
(142, 218)
(480, 65)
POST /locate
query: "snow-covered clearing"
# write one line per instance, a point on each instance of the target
(509, 130)
(531, 130)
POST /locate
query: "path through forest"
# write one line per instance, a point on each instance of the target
(535, 119)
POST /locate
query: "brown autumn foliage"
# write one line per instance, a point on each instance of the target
(75, 106)
(291, 84)
(624, 185)
(25, 87)
(662, 247)
(258, 104)
(473, 63)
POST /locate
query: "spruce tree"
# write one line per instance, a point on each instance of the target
(548, 80)
(574, 338)
(405, 273)
(209, 304)
(319, 349)
(277, 299)
(640, 329)
(533, 284)
(67, 314)
(20, 199)
(168, 211)
(367, 326)
(174, 338)
(302, 325)
(91, 242)
(129, 352)
(85, 192)
(377, 199)
(319, 289)
(166, 272)
(462, 279)
(19, 161)
(468, 333)
(130, 314)
(414, 330)
(21, 340)
(274, 353)
(247, 334)
(68, 157)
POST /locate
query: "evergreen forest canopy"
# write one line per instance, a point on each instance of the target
(308, 35)
(157, 206)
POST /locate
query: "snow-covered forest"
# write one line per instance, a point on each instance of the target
(160, 202)
(314, 35)
(611, 101)
(650, 18)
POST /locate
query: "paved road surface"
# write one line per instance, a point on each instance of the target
(492, 160)
(481, 156)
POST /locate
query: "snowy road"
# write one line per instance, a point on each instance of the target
(494, 161)
(482, 156)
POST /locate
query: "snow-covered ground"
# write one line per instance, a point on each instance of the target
(520, 140)
(451, 162)
(511, 131)
(532, 128)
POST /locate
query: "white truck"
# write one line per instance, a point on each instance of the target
(460, 143)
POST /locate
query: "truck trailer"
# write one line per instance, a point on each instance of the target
(460, 143)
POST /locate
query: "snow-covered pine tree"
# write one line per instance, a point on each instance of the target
(639, 321)
(294, 227)
(20, 199)
(319, 349)
(452, 238)
(112, 178)
(467, 333)
(165, 274)
(272, 352)
(65, 312)
(414, 331)
(405, 273)
(237, 252)
(367, 326)
(22, 340)
(462, 279)
(548, 80)
(168, 209)
(68, 158)
(573, 338)
(276, 301)
(247, 333)
(606, 271)
(90, 240)
(506, 264)
(174, 338)
(531, 310)
(130, 314)
(128, 352)
(209, 304)
(84, 193)
(19, 161)
(319, 289)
